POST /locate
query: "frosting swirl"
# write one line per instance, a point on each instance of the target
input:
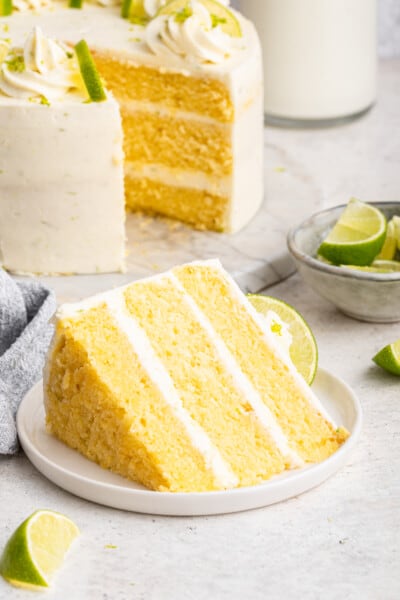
(193, 38)
(29, 5)
(43, 69)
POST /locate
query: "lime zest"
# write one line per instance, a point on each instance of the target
(219, 14)
(16, 63)
(216, 20)
(89, 72)
(6, 8)
(183, 14)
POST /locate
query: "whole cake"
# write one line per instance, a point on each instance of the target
(187, 75)
(61, 164)
(178, 383)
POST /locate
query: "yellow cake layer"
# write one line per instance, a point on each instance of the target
(101, 402)
(199, 208)
(185, 144)
(310, 435)
(201, 95)
(207, 390)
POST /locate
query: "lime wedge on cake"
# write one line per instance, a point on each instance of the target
(303, 349)
(36, 549)
(357, 237)
(89, 72)
(389, 358)
(220, 14)
(134, 10)
(6, 8)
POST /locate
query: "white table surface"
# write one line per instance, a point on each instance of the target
(339, 541)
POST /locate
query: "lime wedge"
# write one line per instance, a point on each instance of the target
(135, 11)
(6, 8)
(378, 266)
(89, 73)
(396, 221)
(37, 548)
(389, 248)
(303, 349)
(75, 3)
(220, 14)
(358, 236)
(389, 358)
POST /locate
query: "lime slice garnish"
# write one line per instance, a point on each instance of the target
(89, 73)
(357, 237)
(220, 14)
(75, 3)
(389, 358)
(37, 548)
(6, 8)
(378, 266)
(389, 248)
(135, 11)
(303, 349)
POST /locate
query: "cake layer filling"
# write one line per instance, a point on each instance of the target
(177, 143)
(208, 391)
(196, 207)
(102, 401)
(302, 418)
(175, 90)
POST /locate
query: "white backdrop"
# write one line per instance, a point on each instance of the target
(389, 27)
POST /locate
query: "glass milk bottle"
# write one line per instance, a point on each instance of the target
(319, 58)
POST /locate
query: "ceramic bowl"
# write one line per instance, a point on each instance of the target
(373, 297)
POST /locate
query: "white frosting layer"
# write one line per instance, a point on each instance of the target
(276, 348)
(155, 369)
(61, 191)
(194, 38)
(43, 68)
(242, 382)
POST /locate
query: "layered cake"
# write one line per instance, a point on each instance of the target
(61, 164)
(177, 382)
(187, 75)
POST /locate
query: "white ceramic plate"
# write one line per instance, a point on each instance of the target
(74, 473)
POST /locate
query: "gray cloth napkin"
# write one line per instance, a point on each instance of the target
(25, 334)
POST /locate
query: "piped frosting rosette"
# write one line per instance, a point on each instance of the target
(43, 69)
(192, 34)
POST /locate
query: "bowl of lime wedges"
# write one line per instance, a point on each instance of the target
(350, 255)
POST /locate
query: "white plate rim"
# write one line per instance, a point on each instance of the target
(275, 490)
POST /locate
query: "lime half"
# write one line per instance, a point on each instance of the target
(389, 358)
(220, 14)
(37, 548)
(358, 236)
(303, 350)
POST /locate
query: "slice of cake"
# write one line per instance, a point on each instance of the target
(61, 164)
(188, 77)
(178, 383)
